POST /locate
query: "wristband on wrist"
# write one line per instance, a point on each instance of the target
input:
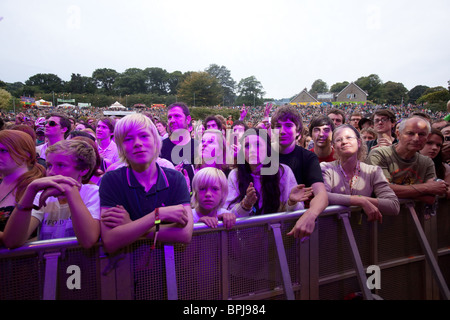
(157, 219)
(157, 224)
(23, 208)
(243, 206)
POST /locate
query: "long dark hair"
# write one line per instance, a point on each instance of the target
(438, 162)
(270, 184)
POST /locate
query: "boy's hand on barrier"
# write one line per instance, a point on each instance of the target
(211, 222)
(303, 227)
(228, 218)
(115, 216)
(175, 214)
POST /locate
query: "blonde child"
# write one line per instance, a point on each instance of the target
(210, 189)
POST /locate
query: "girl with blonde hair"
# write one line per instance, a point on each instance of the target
(210, 189)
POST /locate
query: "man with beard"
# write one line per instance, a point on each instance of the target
(179, 148)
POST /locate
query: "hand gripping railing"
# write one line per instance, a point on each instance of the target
(112, 286)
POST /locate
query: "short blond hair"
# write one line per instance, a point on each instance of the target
(81, 151)
(135, 121)
(206, 177)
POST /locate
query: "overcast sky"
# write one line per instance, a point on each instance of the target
(285, 44)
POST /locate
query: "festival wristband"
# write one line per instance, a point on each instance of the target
(157, 219)
(157, 223)
(23, 208)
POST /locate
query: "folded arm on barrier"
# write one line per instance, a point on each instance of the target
(425, 192)
(177, 226)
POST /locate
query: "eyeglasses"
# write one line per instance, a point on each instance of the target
(382, 120)
(51, 123)
(340, 140)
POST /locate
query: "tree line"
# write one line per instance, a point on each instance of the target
(391, 92)
(213, 86)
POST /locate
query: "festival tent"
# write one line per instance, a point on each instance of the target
(117, 105)
(66, 105)
(43, 103)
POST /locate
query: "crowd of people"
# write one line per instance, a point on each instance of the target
(91, 176)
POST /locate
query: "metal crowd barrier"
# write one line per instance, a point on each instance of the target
(255, 260)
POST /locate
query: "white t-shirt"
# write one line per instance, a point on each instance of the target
(55, 218)
(40, 150)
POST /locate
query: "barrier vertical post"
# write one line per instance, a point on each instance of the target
(284, 268)
(428, 252)
(225, 269)
(51, 275)
(171, 277)
(356, 257)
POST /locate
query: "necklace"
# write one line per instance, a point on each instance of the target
(355, 176)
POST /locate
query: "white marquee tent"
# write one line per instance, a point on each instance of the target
(116, 105)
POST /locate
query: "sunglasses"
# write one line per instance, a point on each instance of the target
(51, 123)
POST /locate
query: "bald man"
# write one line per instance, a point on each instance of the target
(411, 175)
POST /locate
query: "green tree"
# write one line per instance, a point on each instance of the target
(250, 92)
(200, 89)
(45, 82)
(416, 92)
(104, 79)
(157, 80)
(5, 99)
(394, 92)
(132, 81)
(372, 84)
(16, 88)
(223, 75)
(433, 89)
(318, 86)
(338, 86)
(441, 96)
(174, 79)
(81, 84)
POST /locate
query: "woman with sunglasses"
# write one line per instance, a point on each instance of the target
(351, 182)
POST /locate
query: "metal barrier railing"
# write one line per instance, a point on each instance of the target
(254, 260)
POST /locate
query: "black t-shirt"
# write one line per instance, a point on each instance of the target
(304, 164)
(185, 152)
